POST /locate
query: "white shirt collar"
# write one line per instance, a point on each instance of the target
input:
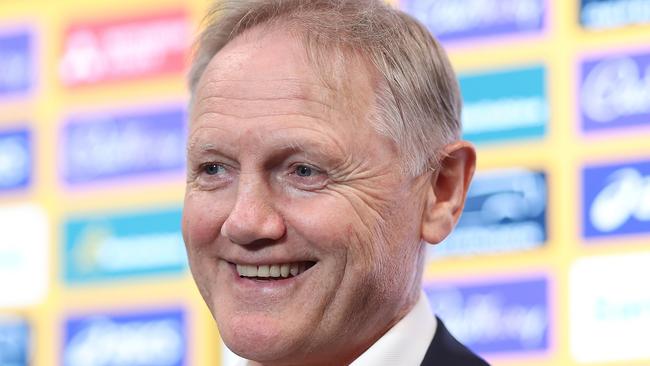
(405, 343)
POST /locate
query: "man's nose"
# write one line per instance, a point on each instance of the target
(254, 217)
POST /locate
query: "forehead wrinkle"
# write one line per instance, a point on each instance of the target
(193, 139)
(315, 139)
(252, 100)
(253, 115)
(282, 88)
(296, 139)
(297, 83)
(209, 98)
(214, 118)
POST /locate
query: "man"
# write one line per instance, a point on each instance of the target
(323, 155)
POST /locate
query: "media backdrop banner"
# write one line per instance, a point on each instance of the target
(549, 255)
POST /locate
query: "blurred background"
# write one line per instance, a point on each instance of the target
(549, 265)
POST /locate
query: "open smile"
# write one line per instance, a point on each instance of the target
(278, 271)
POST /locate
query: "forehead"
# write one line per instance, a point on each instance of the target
(270, 67)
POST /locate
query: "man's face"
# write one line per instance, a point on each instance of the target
(303, 235)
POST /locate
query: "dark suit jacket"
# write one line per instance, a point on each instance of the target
(445, 350)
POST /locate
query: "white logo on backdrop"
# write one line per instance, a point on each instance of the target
(507, 219)
(114, 148)
(82, 60)
(98, 249)
(626, 196)
(504, 113)
(616, 88)
(607, 14)
(483, 318)
(511, 194)
(104, 342)
(446, 16)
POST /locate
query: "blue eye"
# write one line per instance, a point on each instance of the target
(304, 171)
(213, 169)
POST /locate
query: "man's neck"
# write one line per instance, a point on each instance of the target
(404, 342)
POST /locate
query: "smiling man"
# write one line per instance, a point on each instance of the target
(323, 155)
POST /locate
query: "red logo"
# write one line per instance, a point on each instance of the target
(125, 49)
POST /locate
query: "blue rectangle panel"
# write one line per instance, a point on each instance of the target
(16, 63)
(504, 105)
(14, 342)
(505, 211)
(123, 245)
(509, 316)
(451, 20)
(15, 159)
(113, 145)
(615, 92)
(603, 14)
(616, 199)
(151, 338)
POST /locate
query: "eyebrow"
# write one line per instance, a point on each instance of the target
(312, 148)
(195, 148)
(206, 147)
(191, 146)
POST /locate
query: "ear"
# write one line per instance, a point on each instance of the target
(447, 190)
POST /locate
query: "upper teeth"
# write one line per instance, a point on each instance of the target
(271, 270)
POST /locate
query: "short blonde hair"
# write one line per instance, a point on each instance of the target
(418, 102)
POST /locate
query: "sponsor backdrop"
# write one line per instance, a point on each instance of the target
(548, 265)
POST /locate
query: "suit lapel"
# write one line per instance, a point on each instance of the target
(445, 350)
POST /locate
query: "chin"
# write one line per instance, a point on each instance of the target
(258, 338)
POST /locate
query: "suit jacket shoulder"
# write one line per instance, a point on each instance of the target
(445, 350)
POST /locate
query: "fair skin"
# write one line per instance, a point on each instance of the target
(285, 170)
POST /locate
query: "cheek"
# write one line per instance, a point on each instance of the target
(334, 227)
(387, 243)
(202, 220)
(201, 225)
